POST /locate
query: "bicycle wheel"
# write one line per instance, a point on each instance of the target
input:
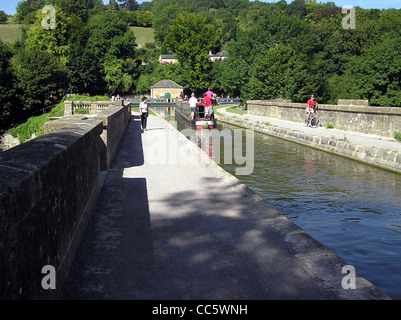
(318, 123)
(306, 121)
(313, 122)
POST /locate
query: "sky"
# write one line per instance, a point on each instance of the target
(9, 6)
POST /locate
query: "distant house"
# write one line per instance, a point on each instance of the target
(167, 58)
(170, 58)
(222, 55)
(166, 89)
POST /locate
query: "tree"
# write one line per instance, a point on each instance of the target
(39, 74)
(71, 8)
(297, 8)
(129, 5)
(377, 74)
(162, 21)
(26, 11)
(113, 45)
(84, 74)
(113, 5)
(3, 17)
(54, 41)
(279, 73)
(9, 102)
(190, 39)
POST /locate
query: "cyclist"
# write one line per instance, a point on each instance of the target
(310, 106)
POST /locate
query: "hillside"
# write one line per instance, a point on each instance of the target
(11, 32)
(143, 35)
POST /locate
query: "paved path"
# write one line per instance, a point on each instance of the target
(355, 138)
(180, 227)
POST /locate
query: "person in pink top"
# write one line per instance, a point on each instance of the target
(209, 93)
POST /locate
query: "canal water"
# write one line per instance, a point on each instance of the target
(352, 208)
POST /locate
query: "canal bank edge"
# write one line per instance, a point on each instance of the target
(314, 260)
(378, 157)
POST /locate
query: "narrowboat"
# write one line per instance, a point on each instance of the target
(183, 112)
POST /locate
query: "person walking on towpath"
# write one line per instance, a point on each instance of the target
(143, 110)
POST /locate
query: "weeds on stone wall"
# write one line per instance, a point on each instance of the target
(34, 126)
(397, 136)
(329, 126)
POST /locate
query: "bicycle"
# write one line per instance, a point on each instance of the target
(313, 120)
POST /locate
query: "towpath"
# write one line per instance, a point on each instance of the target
(353, 137)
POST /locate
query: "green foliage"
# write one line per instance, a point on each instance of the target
(53, 41)
(33, 68)
(34, 127)
(26, 11)
(9, 103)
(191, 38)
(329, 126)
(297, 8)
(113, 46)
(279, 73)
(397, 136)
(3, 17)
(377, 73)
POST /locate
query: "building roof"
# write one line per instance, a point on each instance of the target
(167, 56)
(220, 54)
(166, 84)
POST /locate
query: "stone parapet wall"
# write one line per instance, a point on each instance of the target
(48, 188)
(114, 121)
(94, 107)
(380, 121)
(388, 159)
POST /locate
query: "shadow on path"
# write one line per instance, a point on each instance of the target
(117, 242)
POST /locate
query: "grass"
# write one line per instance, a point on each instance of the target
(228, 106)
(143, 35)
(236, 110)
(10, 32)
(34, 125)
(397, 136)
